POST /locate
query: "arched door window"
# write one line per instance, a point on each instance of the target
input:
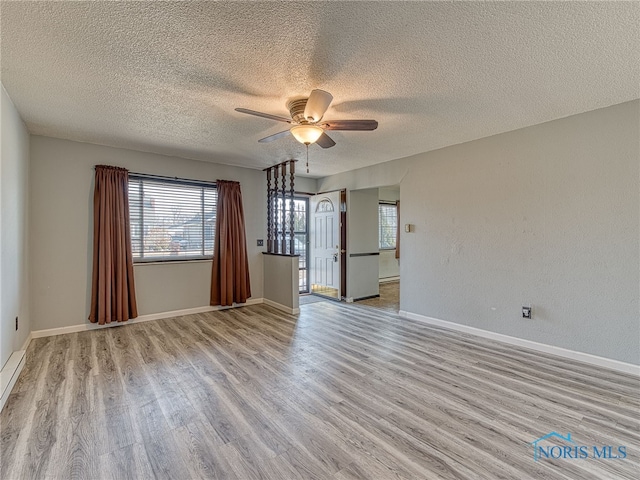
(324, 205)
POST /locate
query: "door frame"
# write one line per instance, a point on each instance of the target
(343, 244)
(307, 243)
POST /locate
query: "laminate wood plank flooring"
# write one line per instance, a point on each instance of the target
(306, 299)
(338, 392)
(389, 299)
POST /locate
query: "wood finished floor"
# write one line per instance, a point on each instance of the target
(340, 392)
(389, 299)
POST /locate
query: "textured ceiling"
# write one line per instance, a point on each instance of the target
(165, 77)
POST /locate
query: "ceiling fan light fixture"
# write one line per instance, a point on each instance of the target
(307, 134)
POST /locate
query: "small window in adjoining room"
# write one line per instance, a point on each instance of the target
(387, 225)
(171, 219)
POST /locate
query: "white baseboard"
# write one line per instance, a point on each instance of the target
(9, 375)
(540, 347)
(279, 306)
(388, 279)
(26, 343)
(142, 318)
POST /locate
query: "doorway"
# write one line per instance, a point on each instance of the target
(389, 233)
(325, 245)
(364, 267)
(379, 218)
(389, 227)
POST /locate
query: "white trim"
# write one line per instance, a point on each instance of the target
(279, 306)
(27, 342)
(521, 342)
(142, 318)
(9, 375)
(389, 279)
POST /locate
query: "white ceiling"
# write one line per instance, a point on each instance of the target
(166, 77)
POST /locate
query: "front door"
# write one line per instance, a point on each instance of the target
(324, 230)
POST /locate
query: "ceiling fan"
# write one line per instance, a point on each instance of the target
(306, 118)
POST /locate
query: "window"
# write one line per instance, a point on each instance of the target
(171, 219)
(387, 225)
(300, 234)
(324, 205)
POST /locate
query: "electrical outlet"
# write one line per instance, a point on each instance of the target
(260, 242)
(16, 323)
(526, 312)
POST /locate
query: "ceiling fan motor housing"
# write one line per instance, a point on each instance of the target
(296, 109)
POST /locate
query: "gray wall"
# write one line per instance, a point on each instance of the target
(14, 185)
(362, 237)
(281, 280)
(61, 222)
(547, 215)
(306, 185)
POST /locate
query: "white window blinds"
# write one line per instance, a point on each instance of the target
(171, 219)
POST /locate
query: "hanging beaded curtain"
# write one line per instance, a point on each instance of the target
(281, 208)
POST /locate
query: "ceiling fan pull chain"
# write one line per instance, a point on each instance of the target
(307, 145)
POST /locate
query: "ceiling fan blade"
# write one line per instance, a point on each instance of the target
(325, 141)
(317, 104)
(273, 137)
(350, 125)
(264, 115)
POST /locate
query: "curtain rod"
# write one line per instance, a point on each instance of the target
(163, 177)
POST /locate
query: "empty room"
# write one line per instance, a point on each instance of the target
(319, 240)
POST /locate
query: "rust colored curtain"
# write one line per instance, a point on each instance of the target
(398, 229)
(230, 274)
(113, 296)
